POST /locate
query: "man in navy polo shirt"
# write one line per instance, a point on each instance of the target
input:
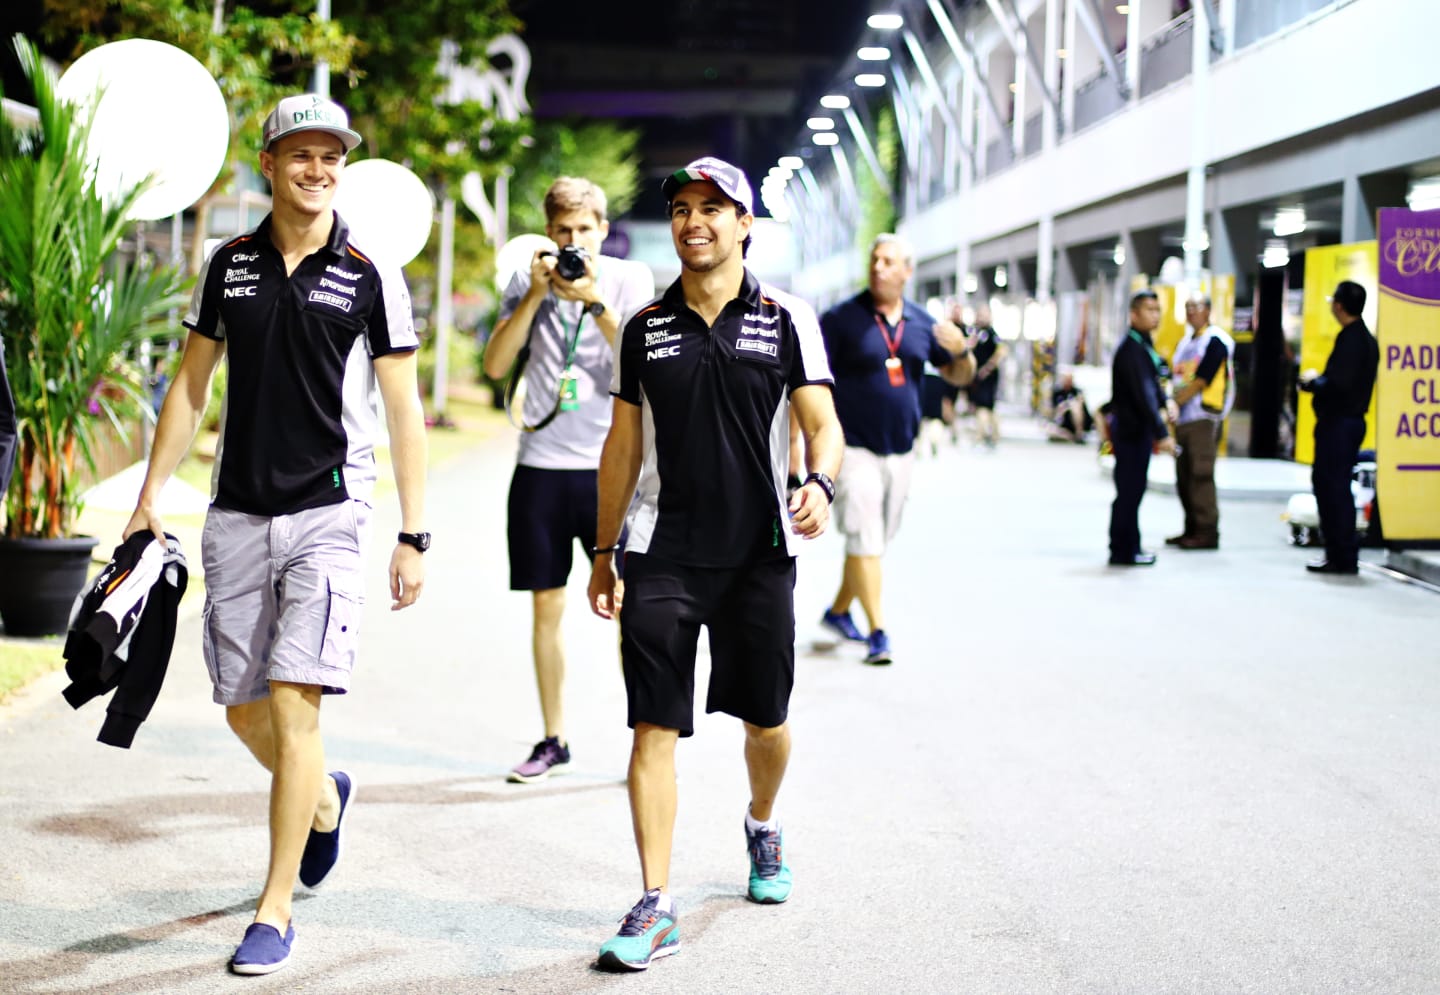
(705, 380)
(878, 344)
(308, 326)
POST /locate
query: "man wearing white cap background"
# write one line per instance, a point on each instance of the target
(309, 327)
(705, 380)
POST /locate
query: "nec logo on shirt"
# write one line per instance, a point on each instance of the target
(664, 352)
(334, 300)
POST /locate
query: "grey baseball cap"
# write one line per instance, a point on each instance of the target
(309, 112)
(730, 179)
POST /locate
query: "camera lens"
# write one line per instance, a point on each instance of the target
(570, 263)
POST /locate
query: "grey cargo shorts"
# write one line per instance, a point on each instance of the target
(283, 599)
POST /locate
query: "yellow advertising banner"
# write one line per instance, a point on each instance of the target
(1407, 477)
(1325, 266)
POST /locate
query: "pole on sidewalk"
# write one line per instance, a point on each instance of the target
(444, 312)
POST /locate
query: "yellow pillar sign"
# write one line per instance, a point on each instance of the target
(1408, 385)
(1325, 266)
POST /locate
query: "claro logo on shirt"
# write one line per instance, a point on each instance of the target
(334, 300)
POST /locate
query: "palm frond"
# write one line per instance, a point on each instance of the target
(71, 306)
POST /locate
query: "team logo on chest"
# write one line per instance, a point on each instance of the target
(333, 300)
(240, 280)
(337, 289)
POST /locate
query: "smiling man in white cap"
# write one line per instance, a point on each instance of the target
(308, 327)
(705, 379)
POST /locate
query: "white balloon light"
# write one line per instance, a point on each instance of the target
(389, 209)
(515, 255)
(161, 114)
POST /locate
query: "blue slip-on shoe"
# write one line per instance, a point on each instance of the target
(645, 934)
(878, 649)
(322, 850)
(842, 625)
(770, 880)
(263, 950)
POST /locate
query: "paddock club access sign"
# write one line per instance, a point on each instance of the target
(1408, 436)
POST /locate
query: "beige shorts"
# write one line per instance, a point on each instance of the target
(870, 497)
(283, 599)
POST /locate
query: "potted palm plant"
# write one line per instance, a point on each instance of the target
(72, 309)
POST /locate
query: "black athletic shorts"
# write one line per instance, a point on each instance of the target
(982, 392)
(750, 614)
(549, 510)
(933, 394)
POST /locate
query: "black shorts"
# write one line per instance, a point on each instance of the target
(935, 391)
(549, 510)
(750, 614)
(982, 392)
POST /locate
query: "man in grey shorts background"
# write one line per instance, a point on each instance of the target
(309, 326)
(878, 344)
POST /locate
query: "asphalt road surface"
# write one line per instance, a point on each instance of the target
(1214, 775)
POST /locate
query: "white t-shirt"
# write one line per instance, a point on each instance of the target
(574, 439)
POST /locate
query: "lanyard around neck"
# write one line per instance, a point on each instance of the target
(892, 344)
(1154, 356)
(574, 339)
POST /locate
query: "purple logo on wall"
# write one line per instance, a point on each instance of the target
(617, 243)
(1410, 254)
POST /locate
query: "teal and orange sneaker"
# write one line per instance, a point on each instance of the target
(645, 934)
(769, 874)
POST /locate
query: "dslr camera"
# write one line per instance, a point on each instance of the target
(570, 262)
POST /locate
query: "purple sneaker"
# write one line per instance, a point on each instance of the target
(842, 625)
(263, 950)
(548, 757)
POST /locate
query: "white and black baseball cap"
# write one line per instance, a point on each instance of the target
(309, 112)
(730, 179)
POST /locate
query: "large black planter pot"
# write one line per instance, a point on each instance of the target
(39, 579)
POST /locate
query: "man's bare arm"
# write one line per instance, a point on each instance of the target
(180, 416)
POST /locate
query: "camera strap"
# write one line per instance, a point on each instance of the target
(518, 371)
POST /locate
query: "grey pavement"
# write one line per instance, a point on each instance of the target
(1215, 775)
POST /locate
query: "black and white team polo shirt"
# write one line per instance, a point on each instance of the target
(716, 417)
(300, 418)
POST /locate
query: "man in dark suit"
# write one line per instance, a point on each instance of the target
(1137, 413)
(1341, 396)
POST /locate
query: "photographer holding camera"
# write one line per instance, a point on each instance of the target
(557, 329)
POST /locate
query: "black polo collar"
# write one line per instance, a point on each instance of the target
(674, 296)
(335, 244)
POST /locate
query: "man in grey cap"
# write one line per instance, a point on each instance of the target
(309, 326)
(705, 380)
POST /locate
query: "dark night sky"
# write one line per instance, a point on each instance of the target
(754, 68)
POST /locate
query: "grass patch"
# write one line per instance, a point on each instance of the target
(23, 661)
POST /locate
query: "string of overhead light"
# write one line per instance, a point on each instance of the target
(823, 128)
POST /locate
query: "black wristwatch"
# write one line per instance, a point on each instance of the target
(596, 308)
(826, 484)
(420, 540)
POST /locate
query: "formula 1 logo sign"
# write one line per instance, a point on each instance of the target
(1408, 385)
